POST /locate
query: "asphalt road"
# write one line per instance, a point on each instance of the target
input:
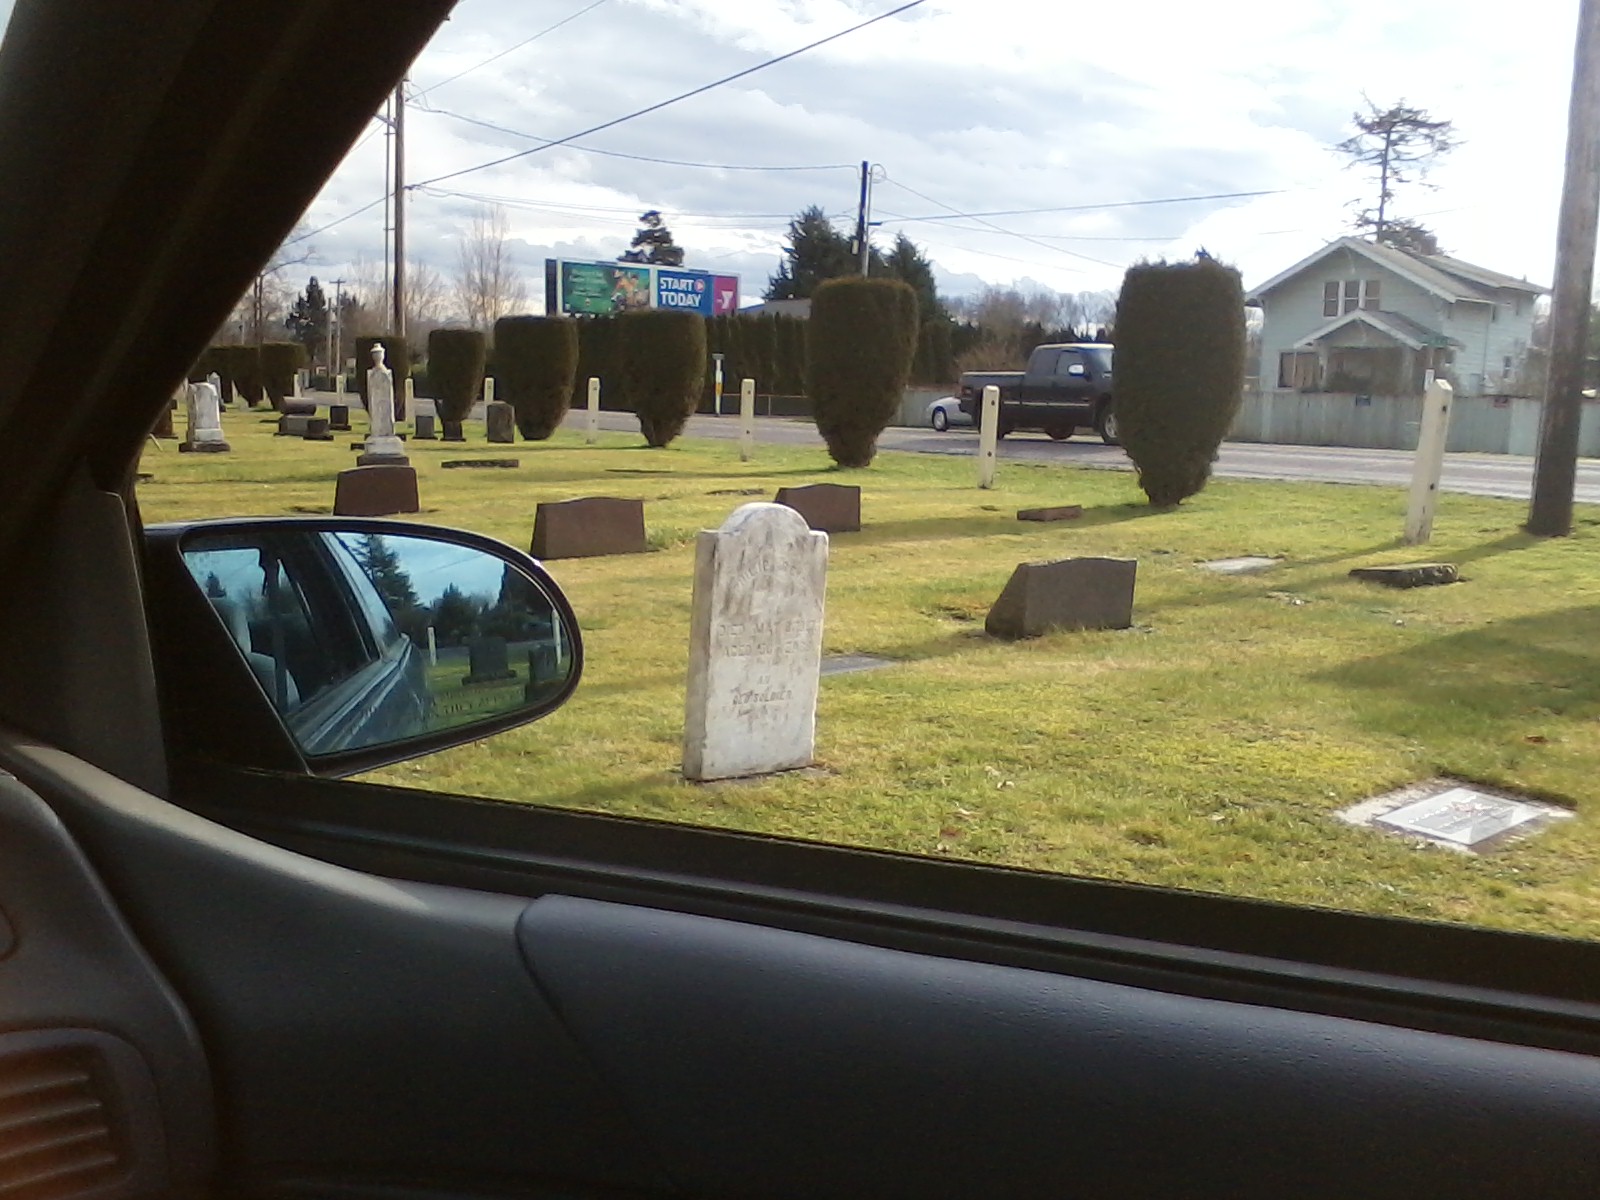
(1478, 474)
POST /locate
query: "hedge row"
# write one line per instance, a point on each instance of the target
(455, 374)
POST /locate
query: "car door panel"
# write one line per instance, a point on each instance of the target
(360, 1029)
(370, 1033)
(104, 1087)
(767, 1062)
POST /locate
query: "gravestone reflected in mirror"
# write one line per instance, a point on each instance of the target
(364, 639)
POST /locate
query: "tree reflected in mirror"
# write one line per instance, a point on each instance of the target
(364, 638)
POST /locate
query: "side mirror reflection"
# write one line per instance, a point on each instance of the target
(363, 639)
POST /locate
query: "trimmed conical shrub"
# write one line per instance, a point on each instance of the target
(1179, 372)
(455, 374)
(536, 365)
(661, 364)
(861, 340)
(279, 362)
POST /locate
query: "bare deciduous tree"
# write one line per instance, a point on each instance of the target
(487, 284)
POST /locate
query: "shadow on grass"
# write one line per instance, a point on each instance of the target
(1543, 664)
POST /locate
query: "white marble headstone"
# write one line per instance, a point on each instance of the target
(205, 419)
(755, 645)
(382, 444)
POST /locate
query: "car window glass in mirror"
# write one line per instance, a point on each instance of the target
(363, 639)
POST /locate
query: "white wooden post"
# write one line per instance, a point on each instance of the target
(747, 420)
(433, 647)
(988, 436)
(488, 390)
(411, 398)
(593, 433)
(1430, 460)
(716, 375)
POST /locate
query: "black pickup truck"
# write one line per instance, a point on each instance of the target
(1065, 388)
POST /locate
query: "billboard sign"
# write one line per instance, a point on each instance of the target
(603, 287)
(608, 287)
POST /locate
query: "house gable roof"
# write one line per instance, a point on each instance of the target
(1397, 326)
(1448, 278)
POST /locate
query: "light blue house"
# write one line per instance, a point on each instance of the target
(1359, 317)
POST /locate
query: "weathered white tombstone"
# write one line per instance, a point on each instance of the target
(215, 381)
(205, 421)
(755, 645)
(383, 447)
(592, 428)
(747, 420)
(1429, 464)
(488, 390)
(988, 436)
(410, 392)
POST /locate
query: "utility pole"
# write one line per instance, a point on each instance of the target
(861, 217)
(1555, 470)
(335, 332)
(398, 326)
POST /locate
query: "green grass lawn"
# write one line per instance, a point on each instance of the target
(1208, 747)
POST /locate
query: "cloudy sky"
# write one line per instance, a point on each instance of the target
(968, 106)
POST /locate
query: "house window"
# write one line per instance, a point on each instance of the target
(1352, 295)
(1369, 293)
(1341, 298)
(1330, 299)
(1297, 370)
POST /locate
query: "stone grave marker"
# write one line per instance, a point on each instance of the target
(588, 528)
(1409, 575)
(317, 430)
(501, 419)
(826, 507)
(339, 417)
(376, 491)
(424, 427)
(293, 425)
(488, 661)
(205, 421)
(1060, 512)
(755, 645)
(1248, 565)
(1073, 593)
(481, 464)
(382, 447)
(1471, 819)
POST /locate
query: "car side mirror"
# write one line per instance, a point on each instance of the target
(1077, 371)
(345, 644)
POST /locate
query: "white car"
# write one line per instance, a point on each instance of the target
(945, 412)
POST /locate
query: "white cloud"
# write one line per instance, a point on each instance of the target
(1005, 104)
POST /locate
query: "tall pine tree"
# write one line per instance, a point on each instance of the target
(653, 243)
(308, 320)
(816, 253)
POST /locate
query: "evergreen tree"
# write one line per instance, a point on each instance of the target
(389, 576)
(308, 320)
(907, 263)
(653, 243)
(816, 253)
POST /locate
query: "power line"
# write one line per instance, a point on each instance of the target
(671, 162)
(1024, 212)
(1008, 232)
(555, 206)
(1052, 237)
(761, 66)
(497, 57)
(347, 217)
